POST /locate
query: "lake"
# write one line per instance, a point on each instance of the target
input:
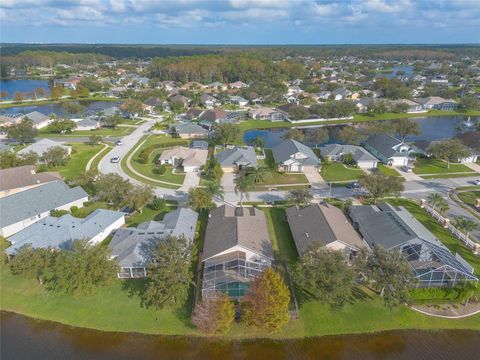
(25, 338)
(57, 108)
(26, 87)
(433, 128)
(407, 69)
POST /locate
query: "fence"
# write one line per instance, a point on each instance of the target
(457, 233)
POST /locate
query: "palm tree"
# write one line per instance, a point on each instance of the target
(260, 174)
(214, 188)
(257, 141)
(465, 225)
(243, 184)
(436, 200)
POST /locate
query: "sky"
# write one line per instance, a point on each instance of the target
(240, 21)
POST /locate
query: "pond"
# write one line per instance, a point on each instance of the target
(432, 128)
(26, 87)
(24, 338)
(57, 108)
(406, 69)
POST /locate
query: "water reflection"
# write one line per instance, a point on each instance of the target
(24, 338)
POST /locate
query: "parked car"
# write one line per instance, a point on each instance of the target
(353, 185)
(406, 168)
(118, 142)
(115, 159)
(476, 182)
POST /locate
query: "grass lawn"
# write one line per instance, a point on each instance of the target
(448, 176)
(147, 169)
(387, 170)
(81, 154)
(434, 166)
(280, 178)
(452, 243)
(119, 131)
(148, 214)
(282, 239)
(89, 208)
(469, 197)
(338, 172)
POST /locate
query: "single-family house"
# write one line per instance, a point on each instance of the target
(132, 246)
(180, 99)
(341, 94)
(324, 224)
(237, 85)
(21, 178)
(362, 157)
(7, 120)
(293, 156)
(209, 100)
(39, 120)
(395, 229)
(216, 85)
(323, 95)
(237, 158)
(424, 145)
(61, 232)
(87, 124)
(389, 150)
(215, 115)
(184, 158)
(413, 107)
(238, 100)
(40, 146)
(267, 114)
(153, 102)
(199, 144)
(190, 130)
(70, 83)
(237, 249)
(24, 208)
(364, 104)
(437, 103)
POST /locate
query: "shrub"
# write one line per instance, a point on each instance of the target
(157, 203)
(160, 169)
(58, 213)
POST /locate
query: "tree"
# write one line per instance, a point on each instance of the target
(406, 127)
(437, 202)
(200, 199)
(55, 156)
(62, 126)
(38, 92)
(318, 136)
(3, 94)
(132, 106)
(215, 188)
(82, 269)
(18, 97)
(380, 185)
(294, 134)
(214, 315)
(29, 262)
(87, 180)
(389, 273)
(349, 135)
(10, 159)
(177, 107)
(111, 121)
(138, 197)
(212, 170)
(266, 305)
(226, 133)
(324, 274)
(112, 188)
(94, 139)
(22, 132)
(157, 203)
(298, 112)
(73, 107)
(258, 174)
(56, 92)
(168, 274)
(449, 150)
(469, 103)
(243, 185)
(257, 141)
(300, 197)
(465, 225)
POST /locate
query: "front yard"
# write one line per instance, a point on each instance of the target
(337, 172)
(387, 170)
(433, 167)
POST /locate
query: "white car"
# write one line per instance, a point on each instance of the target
(118, 142)
(476, 182)
(115, 159)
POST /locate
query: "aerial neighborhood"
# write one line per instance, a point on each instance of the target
(259, 190)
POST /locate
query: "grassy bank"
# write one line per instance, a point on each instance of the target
(47, 102)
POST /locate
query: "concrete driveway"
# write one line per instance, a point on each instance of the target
(227, 182)
(313, 177)
(192, 179)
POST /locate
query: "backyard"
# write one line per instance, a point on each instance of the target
(337, 172)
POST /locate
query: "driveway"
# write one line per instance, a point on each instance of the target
(409, 176)
(313, 177)
(192, 179)
(227, 182)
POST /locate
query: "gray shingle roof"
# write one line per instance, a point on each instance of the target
(132, 246)
(384, 144)
(60, 233)
(190, 128)
(30, 203)
(321, 223)
(37, 117)
(243, 156)
(286, 149)
(359, 153)
(229, 226)
(41, 146)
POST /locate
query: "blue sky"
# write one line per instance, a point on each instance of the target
(240, 21)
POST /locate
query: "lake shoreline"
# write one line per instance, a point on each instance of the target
(233, 338)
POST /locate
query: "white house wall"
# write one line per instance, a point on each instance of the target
(105, 233)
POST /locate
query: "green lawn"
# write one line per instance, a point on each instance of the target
(119, 131)
(339, 172)
(81, 154)
(148, 214)
(434, 166)
(280, 178)
(147, 169)
(89, 208)
(452, 243)
(448, 176)
(469, 197)
(282, 239)
(387, 170)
